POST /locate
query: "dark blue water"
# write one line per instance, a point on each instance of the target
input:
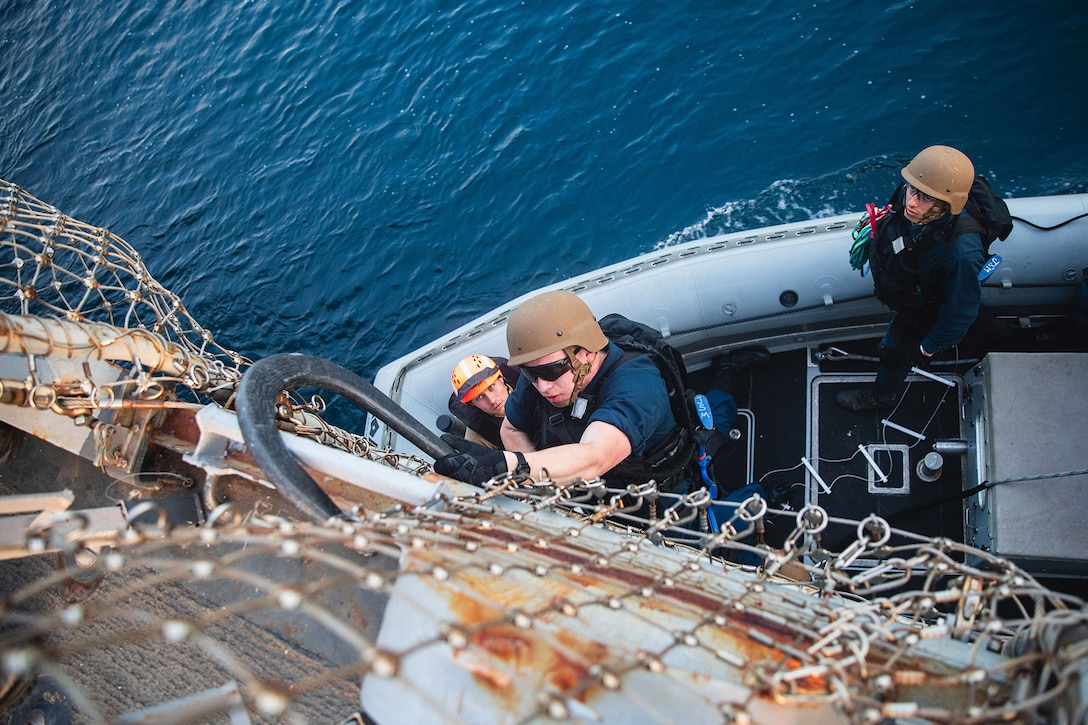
(354, 179)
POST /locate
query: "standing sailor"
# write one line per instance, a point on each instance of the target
(925, 259)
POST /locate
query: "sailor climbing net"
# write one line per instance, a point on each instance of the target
(541, 605)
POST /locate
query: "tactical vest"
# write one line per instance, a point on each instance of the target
(903, 281)
(899, 280)
(667, 462)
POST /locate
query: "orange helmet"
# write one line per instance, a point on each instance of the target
(474, 375)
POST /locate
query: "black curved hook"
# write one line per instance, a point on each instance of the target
(261, 386)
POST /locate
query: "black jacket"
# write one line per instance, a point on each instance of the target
(935, 271)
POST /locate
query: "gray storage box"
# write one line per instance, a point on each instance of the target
(1029, 415)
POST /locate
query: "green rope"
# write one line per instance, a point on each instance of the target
(863, 235)
(859, 252)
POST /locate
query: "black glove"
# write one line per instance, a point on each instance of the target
(473, 463)
(463, 445)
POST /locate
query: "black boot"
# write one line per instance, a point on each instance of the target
(728, 366)
(866, 399)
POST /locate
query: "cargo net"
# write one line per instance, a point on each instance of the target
(532, 603)
(53, 266)
(73, 290)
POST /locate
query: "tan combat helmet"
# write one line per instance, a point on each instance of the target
(942, 172)
(551, 322)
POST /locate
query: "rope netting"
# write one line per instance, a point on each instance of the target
(55, 266)
(541, 609)
(73, 289)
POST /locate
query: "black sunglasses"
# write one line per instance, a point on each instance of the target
(548, 371)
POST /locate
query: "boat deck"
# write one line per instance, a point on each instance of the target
(778, 398)
(832, 467)
(846, 444)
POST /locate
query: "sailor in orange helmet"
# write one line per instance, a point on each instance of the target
(481, 385)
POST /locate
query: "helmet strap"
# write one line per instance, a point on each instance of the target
(580, 370)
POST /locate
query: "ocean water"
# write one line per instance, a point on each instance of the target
(354, 179)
